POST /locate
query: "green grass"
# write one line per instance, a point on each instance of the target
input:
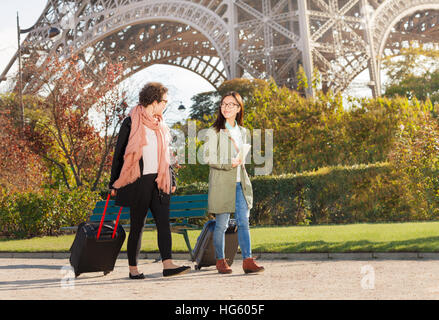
(383, 237)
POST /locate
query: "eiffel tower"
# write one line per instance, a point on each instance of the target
(225, 39)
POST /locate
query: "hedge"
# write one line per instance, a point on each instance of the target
(29, 214)
(332, 195)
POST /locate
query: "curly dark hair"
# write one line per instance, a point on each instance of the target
(152, 91)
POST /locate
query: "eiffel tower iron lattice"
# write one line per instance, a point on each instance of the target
(225, 39)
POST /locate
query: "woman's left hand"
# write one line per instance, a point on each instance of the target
(173, 189)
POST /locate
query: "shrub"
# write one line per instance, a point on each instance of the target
(29, 214)
(309, 134)
(329, 195)
(415, 158)
(332, 195)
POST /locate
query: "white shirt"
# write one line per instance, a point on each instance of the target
(150, 153)
(235, 132)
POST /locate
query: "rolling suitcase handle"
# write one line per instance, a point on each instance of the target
(103, 219)
(117, 222)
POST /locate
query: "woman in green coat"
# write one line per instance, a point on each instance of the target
(230, 189)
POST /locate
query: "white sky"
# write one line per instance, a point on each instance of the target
(29, 11)
(182, 84)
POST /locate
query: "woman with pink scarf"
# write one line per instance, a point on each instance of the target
(142, 177)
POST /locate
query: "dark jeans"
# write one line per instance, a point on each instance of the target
(160, 211)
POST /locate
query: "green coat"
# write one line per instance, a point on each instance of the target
(222, 177)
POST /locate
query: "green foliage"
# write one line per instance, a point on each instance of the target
(314, 133)
(302, 80)
(29, 214)
(415, 159)
(421, 87)
(410, 61)
(374, 160)
(310, 134)
(204, 104)
(413, 73)
(193, 188)
(316, 79)
(331, 195)
(190, 173)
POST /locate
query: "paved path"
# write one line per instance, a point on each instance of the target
(283, 279)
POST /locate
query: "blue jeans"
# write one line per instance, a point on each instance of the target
(222, 221)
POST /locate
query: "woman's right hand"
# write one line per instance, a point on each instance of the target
(236, 162)
(113, 192)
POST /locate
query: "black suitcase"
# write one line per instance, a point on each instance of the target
(96, 246)
(204, 251)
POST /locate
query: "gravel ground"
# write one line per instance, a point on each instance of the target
(35, 279)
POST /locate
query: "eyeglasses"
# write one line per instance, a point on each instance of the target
(230, 105)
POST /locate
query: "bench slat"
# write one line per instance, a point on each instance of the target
(173, 206)
(198, 213)
(174, 199)
(188, 205)
(190, 197)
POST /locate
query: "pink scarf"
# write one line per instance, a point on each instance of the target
(137, 140)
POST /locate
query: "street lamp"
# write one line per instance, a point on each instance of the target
(175, 109)
(180, 108)
(53, 32)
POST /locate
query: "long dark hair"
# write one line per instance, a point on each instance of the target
(220, 120)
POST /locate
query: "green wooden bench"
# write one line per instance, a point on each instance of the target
(182, 208)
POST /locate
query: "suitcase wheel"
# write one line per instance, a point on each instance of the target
(106, 272)
(77, 274)
(197, 267)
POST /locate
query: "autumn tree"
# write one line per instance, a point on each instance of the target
(20, 168)
(75, 127)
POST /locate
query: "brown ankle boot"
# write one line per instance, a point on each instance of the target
(222, 266)
(250, 266)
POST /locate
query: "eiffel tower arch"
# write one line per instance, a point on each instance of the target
(397, 21)
(225, 39)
